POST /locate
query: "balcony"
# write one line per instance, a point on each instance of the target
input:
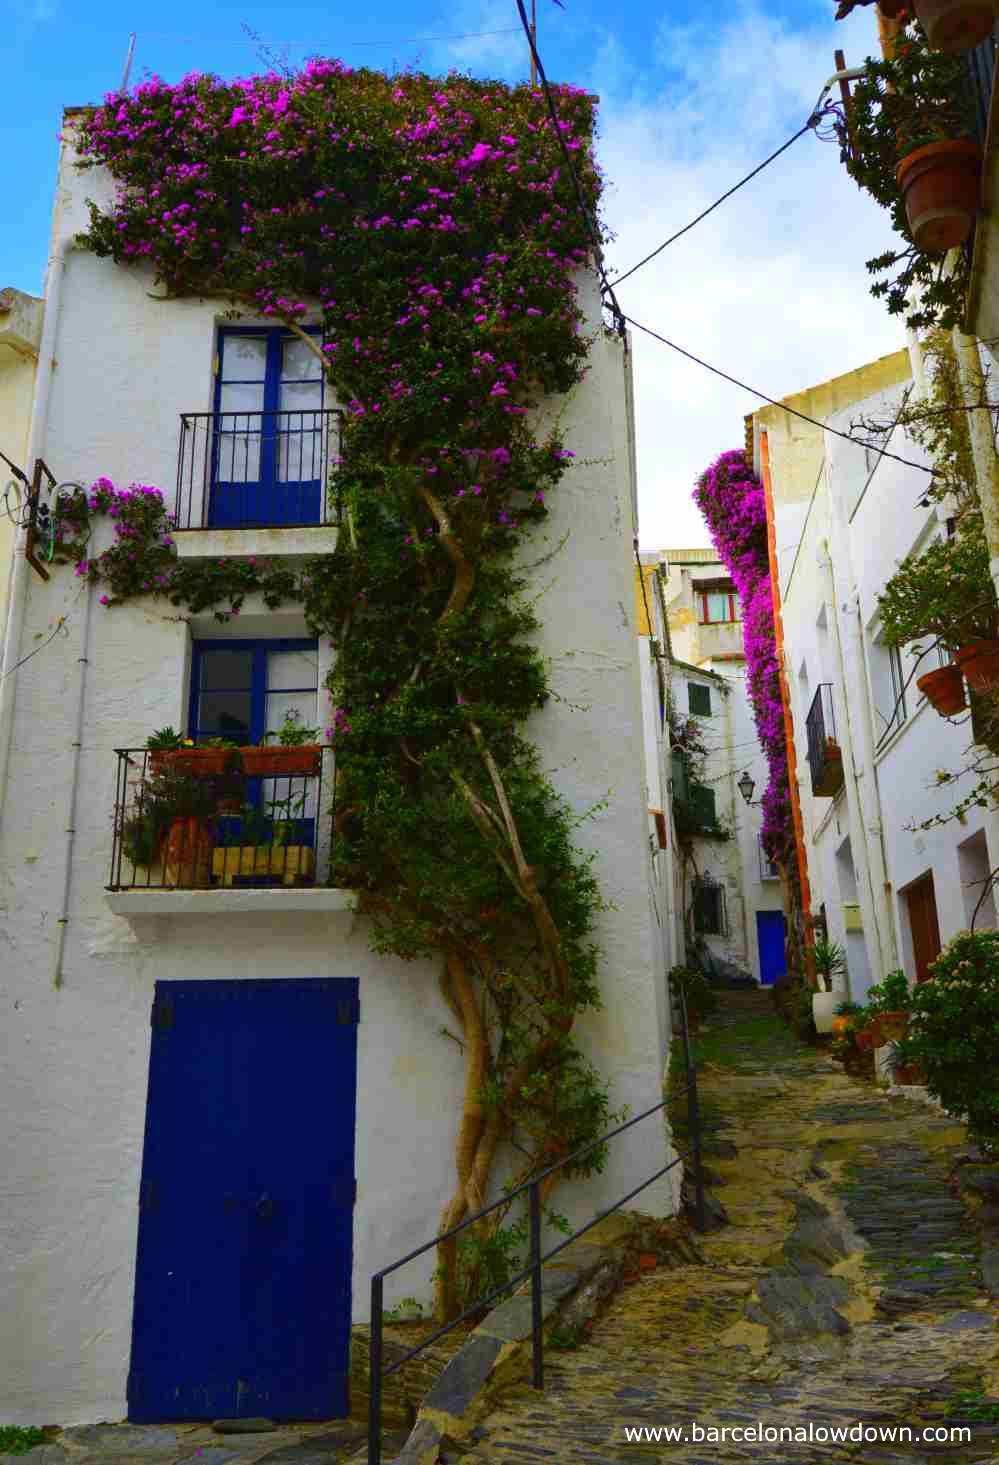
(825, 758)
(208, 829)
(256, 483)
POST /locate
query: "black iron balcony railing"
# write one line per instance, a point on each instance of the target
(242, 470)
(825, 759)
(187, 820)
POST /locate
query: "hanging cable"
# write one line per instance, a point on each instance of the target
(812, 123)
(581, 204)
(792, 411)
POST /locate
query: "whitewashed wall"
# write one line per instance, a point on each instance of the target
(837, 548)
(73, 1075)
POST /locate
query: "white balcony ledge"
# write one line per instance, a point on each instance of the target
(141, 904)
(277, 543)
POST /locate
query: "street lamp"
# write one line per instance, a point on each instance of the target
(745, 786)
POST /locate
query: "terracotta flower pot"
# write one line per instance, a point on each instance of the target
(979, 663)
(909, 1073)
(187, 854)
(941, 184)
(893, 1026)
(195, 762)
(954, 25)
(943, 689)
(865, 1040)
(281, 762)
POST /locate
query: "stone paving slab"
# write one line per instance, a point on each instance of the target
(823, 1178)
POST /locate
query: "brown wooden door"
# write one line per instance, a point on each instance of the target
(922, 907)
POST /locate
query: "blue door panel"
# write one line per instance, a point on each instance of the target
(242, 1289)
(770, 935)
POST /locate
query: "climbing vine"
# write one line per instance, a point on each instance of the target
(433, 229)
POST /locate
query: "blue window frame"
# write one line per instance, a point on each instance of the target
(244, 689)
(269, 443)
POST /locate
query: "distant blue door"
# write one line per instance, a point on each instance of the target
(770, 934)
(242, 1287)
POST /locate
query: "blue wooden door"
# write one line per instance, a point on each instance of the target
(242, 1287)
(770, 935)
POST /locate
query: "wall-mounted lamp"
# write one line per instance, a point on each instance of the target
(746, 785)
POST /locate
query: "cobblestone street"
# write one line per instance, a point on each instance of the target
(845, 1287)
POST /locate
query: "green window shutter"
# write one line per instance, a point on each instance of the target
(702, 802)
(678, 763)
(698, 699)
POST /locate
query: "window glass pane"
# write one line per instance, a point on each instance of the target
(299, 362)
(736, 607)
(244, 358)
(237, 447)
(718, 605)
(223, 670)
(279, 704)
(242, 397)
(300, 434)
(224, 715)
(293, 670)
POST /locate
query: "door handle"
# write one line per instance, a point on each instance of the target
(264, 1208)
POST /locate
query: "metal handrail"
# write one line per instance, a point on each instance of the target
(376, 1373)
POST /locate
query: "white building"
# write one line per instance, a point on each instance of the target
(844, 517)
(724, 888)
(349, 1075)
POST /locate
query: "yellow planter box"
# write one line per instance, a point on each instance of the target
(851, 916)
(291, 861)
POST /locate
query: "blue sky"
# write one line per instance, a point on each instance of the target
(772, 287)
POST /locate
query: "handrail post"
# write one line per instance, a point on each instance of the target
(537, 1340)
(375, 1375)
(693, 1119)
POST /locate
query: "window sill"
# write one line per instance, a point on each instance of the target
(217, 544)
(275, 901)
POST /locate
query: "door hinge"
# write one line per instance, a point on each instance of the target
(162, 1014)
(348, 1010)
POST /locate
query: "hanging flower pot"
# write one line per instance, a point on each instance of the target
(279, 762)
(954, 25)
(941, 185)
(943, 688)
(979, 663)
(195, 762)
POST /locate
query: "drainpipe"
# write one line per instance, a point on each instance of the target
(17, 602)
(74, 787)
(983, 451)
(866, 828)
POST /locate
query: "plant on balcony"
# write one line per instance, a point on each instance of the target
(953, 1033)
(207, 759)
(169, 819)
(908, 145)
(434, 231)
(946, 592)
(297, 751)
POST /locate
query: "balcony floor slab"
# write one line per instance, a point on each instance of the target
(140, 904)
(276, 543)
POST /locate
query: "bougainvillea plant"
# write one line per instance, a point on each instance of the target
(431, 228)
(731, 498)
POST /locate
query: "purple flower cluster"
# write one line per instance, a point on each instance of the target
(732, 500)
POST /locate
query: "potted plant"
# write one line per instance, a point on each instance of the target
(171, 821)
(907, 141)
(829, 961)
(955, 25)
(947, 592)
(846, 1018)
(943, 689)
(204, 760)
(297, 751)
(892, 998)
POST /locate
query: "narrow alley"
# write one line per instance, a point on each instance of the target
(845, 1287)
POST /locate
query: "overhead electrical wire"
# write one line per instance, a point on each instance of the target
(808, 127)
(774, 402)
(390, 41)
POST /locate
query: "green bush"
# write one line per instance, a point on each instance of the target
(792, 998)
(954, 1032)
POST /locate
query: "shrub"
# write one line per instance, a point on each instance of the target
(700, 996)
(954, 1032)
(793, 1000)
